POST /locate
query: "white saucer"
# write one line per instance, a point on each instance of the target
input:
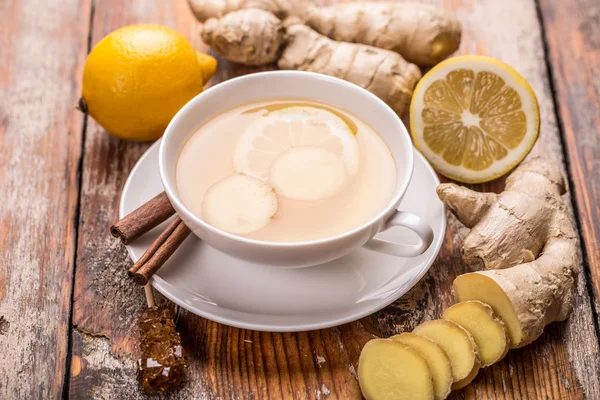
(216, 286)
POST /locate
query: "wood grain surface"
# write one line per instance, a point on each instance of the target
(232, 363)
(42, 49)
(572, 30)
(106, 302)
(50, 222)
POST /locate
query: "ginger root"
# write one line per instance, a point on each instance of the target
(488, 331)
(422, 34)
(382, 72)
(206, 9)
(436, 358)
(459, 346)
(389, 370)
(251, 37)
(525, 240)
(255, 37)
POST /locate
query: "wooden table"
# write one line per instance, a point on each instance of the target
(67, 309)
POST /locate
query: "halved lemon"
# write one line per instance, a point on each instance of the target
(277, 132)
(474, 118)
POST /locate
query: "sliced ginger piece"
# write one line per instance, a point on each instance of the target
(239, 204)
(476, 286)
(436, 358)
(389, 370)
(458, 344)
(487, 329)
(307, 173)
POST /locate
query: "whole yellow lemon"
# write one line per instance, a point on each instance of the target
(138, 77)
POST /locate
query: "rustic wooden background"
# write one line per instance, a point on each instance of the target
(66, 309)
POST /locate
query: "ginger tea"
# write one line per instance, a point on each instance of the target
(285, 171)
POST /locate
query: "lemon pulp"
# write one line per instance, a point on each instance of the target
(474, 118)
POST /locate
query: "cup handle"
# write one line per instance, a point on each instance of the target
(410, 221)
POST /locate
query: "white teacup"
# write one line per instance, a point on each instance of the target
(302, 86)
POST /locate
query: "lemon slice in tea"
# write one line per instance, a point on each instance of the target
(277, 132)
(474, 118)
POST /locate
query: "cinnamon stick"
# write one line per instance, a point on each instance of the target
(143, 219)
(160, 240)
(159, 252)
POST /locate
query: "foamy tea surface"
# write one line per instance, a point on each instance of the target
(322, 187)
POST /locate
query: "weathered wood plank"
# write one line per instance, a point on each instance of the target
(230, 363)
(573, 37)
(106, 303)
(41, 52)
